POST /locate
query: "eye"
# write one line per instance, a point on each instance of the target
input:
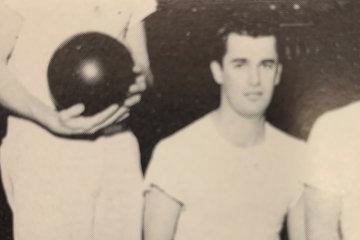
(239, 63)
(269, 64)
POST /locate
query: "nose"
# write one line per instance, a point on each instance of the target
(254, 76)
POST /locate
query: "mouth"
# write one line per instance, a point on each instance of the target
(253, 95)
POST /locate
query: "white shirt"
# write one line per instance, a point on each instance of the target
(228, 192)
(334, 145)
(46, 25)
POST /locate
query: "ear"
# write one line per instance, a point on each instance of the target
(278, 74)
(216, 71)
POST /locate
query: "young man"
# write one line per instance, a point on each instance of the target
(230, 175)
(333, 190)
(61, 188)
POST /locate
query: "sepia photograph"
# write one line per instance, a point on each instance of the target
(179, 120)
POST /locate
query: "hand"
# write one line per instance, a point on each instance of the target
(134, 90)
(70, 121)
(146, 74)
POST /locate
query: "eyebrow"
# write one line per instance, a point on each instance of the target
(270, 60)
(244, 60)
(239, 60)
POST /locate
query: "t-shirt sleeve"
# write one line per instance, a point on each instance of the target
(166, 172)
(327, 161)
(299, 174)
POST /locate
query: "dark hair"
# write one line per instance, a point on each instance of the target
(246, 23)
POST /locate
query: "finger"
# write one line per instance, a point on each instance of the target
(149, 81)
(131, 101)
(141, 83)
(122, 113)
(102, 116)
(72, 111)
(138, 86)
(113, 129)
(136, 69)
(141, 79)
(133, 88)
(122, 118)
(85, 124)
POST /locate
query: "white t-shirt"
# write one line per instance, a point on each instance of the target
(46, 25)
(335, 162)
(228, 192)
(35, 161)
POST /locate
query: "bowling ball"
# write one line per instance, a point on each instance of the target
(90, 68)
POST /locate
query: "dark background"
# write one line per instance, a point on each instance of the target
(321, 71)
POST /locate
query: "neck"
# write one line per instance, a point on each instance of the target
(240, 130)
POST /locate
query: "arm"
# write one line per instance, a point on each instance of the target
(22, 102)
(326, 178)
(296, 221)
(161, 214)
(322, 211)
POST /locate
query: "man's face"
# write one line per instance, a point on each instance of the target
(248, 74)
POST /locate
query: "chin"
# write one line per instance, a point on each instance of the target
(253, 111)
(249, 110)
(251, 114)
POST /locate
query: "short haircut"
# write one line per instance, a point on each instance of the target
(246, 23)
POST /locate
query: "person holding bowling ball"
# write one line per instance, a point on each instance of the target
(63, 187)
(67, 122)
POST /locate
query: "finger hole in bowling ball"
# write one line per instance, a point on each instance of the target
(90, 68)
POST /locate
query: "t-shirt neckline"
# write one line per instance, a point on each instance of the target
(233, 146)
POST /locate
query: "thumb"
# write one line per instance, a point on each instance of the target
(72, 111)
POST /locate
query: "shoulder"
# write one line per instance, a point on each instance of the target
(192, 134)
(284, 139)
(290, 152)
(343, 114)
(339, 122)
(184, 145)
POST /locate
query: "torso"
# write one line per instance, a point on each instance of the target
(46, 25)
(231, 192)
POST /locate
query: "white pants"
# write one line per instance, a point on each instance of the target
(70, 189)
